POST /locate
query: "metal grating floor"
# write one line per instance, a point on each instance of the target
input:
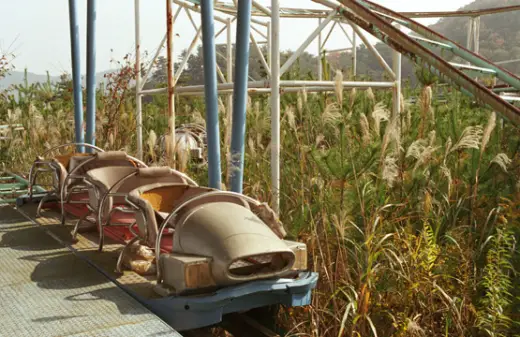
(46, 290)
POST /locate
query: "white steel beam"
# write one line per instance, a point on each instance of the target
(306, 43)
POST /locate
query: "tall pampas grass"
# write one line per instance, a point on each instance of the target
(338, 87)
(492, 123)
(370, 95)
(365, 129)
(151, 141)
(390, 170)
(379, 114)
(425, 103)
(502, 160)
(469, 139)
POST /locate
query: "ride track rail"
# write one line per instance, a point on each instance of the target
(254, 323)
(377, 20)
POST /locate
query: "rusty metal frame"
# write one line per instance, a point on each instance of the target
(365, 18)
(502, 73)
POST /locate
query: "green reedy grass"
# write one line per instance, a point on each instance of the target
(410, 221)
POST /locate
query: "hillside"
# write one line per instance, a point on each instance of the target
(499, 33)
(18, 77)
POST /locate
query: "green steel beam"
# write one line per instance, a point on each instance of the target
(457, 49)
(357, 13)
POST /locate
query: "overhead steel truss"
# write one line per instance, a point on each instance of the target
(354, 18)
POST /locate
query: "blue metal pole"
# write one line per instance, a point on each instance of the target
(240, 95)
(91, 73)
(76, 73)
(210, 91)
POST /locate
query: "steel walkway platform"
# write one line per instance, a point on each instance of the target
(47, 290)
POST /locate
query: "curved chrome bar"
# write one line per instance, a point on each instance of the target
(177, 209)
(117, 185)
(32, 179)
(98, 149)
(102, 222)
(63, 187)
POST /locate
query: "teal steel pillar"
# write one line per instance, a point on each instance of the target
(210, 93)
(76, 73)
(240, 96)
(91, 74)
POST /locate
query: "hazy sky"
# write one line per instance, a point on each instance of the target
(38, 31)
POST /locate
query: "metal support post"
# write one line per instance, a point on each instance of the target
(275, 104)
(171, 84)
(91, 74)
(354, 54)
(269, 46)
(396, 60)
(320, 65)
(240, 95)
(229, 111)
(476, 33)
(210, 90)
(469, 40)
(76, 74)
(138, 86)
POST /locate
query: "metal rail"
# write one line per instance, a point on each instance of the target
(288, 12)
(363, 13)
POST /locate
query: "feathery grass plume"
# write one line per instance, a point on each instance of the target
(502, 160)
(379, 114)
(447, 148)
(432, 137)
(257, 108)
(111, 139)
(251, 145)
(421, 151)
(198, 119)
(221, 107)
(331, 115)
(168, 146)
(299, 102)
(392, 134)
(152, 140)
(402, 105)
(426, 99)
(338, 87)
(304, 95)
(408, 121)
(425, 102)
(249, 102)
(353, 95)
(492, 122)
(469, 139)
(447, 174)
(390, 170)
(291, 118)
(183, 157)
(320, 141)
(370, 95)
(365, 128)
(416, 148)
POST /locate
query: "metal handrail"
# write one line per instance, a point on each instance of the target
(178, 208)
(32, 180)
(118, 184)
(64, 186)
(73, 144)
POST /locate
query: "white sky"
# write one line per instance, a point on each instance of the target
(38, 31)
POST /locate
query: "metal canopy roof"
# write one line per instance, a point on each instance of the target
(230, 8)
